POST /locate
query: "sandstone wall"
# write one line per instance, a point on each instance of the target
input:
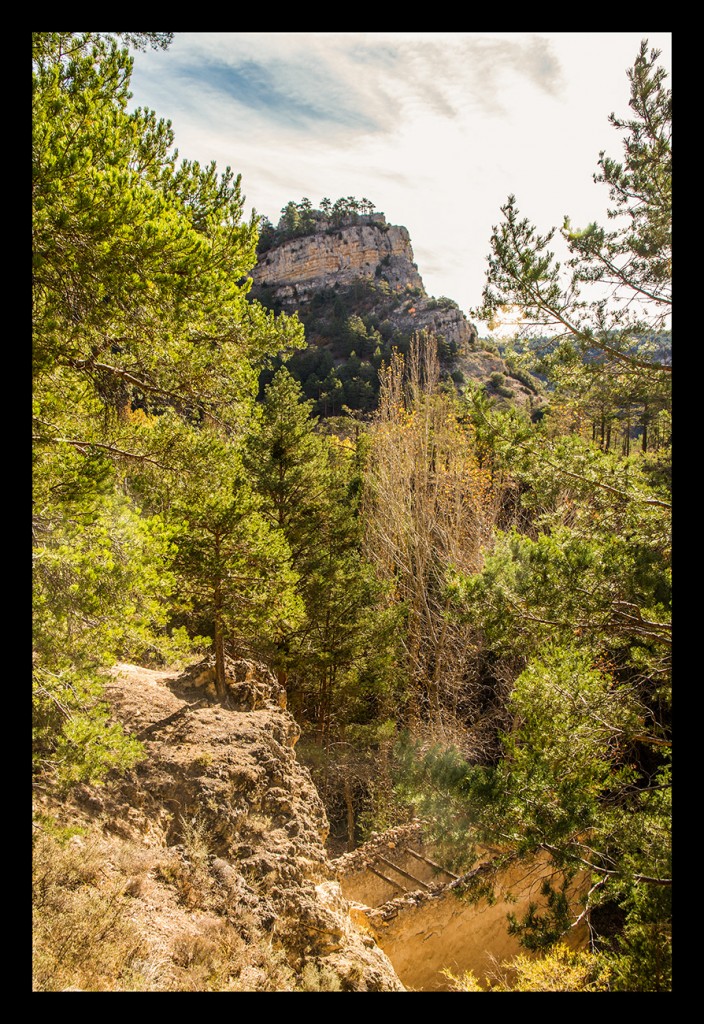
(340, 256)
(434, 926)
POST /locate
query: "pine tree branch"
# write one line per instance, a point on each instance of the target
(83, 446)
(630, 495)
(606, 872)
(537, 299)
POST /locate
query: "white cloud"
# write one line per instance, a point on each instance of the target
(435, 128)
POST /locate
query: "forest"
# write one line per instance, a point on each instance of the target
(470, 611)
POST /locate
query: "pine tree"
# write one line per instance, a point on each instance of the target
(233, 567)
(308, 490)
(140, 305)
(288, 463)
(615, 292)
(579, 588)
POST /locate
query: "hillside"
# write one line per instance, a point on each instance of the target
(357, 289)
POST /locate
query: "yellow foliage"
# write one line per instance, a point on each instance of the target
(560, 970)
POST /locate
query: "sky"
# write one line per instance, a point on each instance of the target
(436, 129)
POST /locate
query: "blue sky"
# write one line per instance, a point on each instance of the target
(436, 129)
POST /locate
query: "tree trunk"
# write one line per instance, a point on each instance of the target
(434, 686)
(349, 804)
(219, 638)
(220, 685)
(645, 427)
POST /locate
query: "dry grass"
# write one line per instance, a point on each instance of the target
(94, 901)
(82, 933)
(220, 959)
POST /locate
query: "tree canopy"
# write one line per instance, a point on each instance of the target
(575, 588)
(142, 329)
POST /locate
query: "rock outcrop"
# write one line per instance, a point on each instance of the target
(299, 267)
(366, 269)
(223, 797)
(292, 273)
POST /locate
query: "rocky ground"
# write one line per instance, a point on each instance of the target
(213, 849)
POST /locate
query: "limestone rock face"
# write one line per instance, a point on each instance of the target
(301, 266)
(449, 324)
(295, 271)
(250, 686)
(367, 269)
(222, 792)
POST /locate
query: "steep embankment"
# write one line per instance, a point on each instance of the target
(422, 916)
(230, 832)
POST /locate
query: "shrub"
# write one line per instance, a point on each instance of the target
(83, 936)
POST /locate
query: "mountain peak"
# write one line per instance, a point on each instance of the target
(298, 267)
(354, 283)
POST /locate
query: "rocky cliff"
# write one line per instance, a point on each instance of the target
(212, 850)
(299, 267)
(359, 294)
(297, 271)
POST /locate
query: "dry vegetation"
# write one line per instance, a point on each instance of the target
(430, 508)
(561, 970)
(113, 915)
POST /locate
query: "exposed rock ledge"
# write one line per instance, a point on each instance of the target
(232, 773)
(313, 262)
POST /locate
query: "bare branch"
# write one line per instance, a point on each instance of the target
(83, 446)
